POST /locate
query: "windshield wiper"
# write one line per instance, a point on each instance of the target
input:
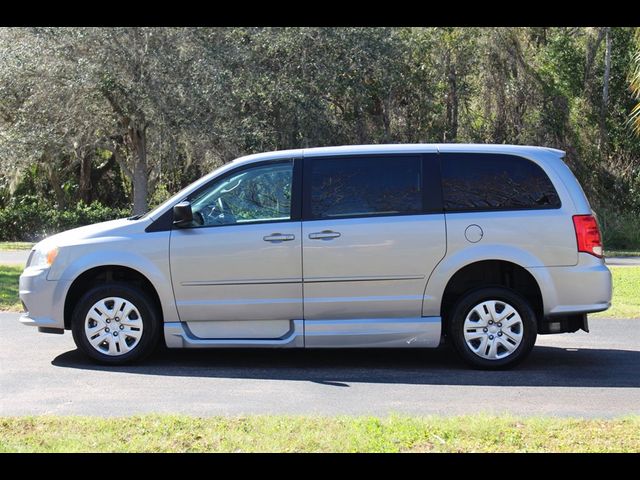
(136, 217)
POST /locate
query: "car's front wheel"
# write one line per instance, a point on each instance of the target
(115, 323)
(493, 328)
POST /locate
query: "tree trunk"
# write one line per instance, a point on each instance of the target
(592, 49)
(99, 172)
(360, 125)
(500, 122)
(140, 172)
(386, 118)
(139, 189)
(56, 183)
(453, 103)
(605, 90)
(86, 190)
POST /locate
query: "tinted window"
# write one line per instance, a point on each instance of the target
(495, 182)
(363, 186)
(255, 194)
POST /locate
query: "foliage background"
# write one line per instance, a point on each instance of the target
(98, 122)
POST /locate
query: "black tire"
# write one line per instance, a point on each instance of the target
(148, 313)
(464, 307)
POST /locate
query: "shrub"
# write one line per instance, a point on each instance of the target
(29, 219)
(620, 231)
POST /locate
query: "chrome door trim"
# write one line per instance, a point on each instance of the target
(259, 281)
(381, 278)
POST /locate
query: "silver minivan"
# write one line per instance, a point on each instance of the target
(403, 246)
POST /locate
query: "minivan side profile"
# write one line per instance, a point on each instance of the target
(373, 246)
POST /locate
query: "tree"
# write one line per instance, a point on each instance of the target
(152, 109)
(605, 88)
(49, 115)
(634, 80)
(131, 69)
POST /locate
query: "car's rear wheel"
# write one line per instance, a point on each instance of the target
(115, 323)
(493, 328)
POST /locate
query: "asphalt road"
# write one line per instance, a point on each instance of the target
(14, 257)
(623, 261)
(585, 375)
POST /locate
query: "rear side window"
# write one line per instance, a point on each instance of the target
(474, 181)
(364, 186)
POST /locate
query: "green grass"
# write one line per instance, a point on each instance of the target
(169, 433)
(16, 245)
(626, 294)
(9, 287)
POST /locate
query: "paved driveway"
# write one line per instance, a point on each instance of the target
(624, 261)
(14, 257)
(587, 375)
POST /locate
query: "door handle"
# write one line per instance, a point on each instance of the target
(279, 237)
(324, 235)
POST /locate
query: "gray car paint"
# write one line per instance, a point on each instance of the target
(394, 303)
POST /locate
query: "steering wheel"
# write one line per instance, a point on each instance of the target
(225, 208)
(216, 213)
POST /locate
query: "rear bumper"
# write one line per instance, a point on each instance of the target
(579, 289)
(43, 300)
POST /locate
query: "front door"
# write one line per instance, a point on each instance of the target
(237, 271)
(373, 233)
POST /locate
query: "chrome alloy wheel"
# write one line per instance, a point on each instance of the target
(113, 326)
(493, 329)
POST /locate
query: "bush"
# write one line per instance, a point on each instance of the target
(29, 219)
(620, 231)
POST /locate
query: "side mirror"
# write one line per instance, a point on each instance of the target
(182, 214)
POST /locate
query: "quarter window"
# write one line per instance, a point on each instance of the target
(472, 182)
(365, 186)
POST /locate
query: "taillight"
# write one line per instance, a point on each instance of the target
(588, 235)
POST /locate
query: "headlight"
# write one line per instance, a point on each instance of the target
(43, 256)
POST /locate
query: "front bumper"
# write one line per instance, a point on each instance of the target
(42, 299)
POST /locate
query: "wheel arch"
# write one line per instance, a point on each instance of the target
(107, 273)
(491, 273)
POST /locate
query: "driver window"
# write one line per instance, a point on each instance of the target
(257, 194)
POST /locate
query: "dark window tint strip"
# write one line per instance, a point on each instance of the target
(365, 186)
(473, 182)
